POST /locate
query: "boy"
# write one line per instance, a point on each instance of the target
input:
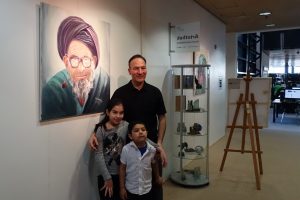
(137, 162)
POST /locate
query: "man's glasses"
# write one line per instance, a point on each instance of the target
(86, 61)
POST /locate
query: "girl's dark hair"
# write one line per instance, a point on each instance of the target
(110, 104)
(133, 123)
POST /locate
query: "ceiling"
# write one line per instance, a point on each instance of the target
(242, 15)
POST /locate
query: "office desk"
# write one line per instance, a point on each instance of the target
(275, 103)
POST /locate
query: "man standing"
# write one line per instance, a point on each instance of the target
(79, 88)
(142, 102)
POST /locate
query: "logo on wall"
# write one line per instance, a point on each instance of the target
(74, 64)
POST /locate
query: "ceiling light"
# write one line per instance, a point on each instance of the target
(265, 13)
(270, 25)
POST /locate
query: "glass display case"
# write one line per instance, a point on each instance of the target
(190, 114)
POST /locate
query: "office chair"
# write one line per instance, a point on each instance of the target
(289, 106)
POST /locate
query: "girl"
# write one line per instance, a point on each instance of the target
(111, 135)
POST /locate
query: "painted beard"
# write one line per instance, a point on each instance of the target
(82, 88)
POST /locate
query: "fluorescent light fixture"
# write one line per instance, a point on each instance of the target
(270, 25)
(265, 13)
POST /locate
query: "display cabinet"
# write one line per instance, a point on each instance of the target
(190, 119)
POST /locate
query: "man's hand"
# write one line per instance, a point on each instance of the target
(93, 143)
(163, 155)
(159, 180)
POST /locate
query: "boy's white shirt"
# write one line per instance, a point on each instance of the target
(138, 182)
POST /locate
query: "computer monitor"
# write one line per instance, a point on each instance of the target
(291, 94)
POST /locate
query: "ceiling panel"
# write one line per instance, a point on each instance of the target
(231, 12)
(242, 15)
(221, 4)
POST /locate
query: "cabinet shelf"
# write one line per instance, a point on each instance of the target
(195, 111)
(190, 125)
(188, 179)
(191, 135)
(191, 156)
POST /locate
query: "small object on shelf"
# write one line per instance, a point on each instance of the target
(196, 105)
(193, 131)
(197, 172)
(181, 154)
(177, 82)
(197, 127)
(193, 106)
(202, 59)
(181, 126)
(199, 149)
(190, 105)
(189, 150)
(183, 145)
(187, 81)
(179, 101)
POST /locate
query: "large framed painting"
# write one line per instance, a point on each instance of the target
(74, 64)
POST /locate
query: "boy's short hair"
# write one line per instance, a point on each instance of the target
(133, 123)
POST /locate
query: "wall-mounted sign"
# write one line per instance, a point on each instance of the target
(186, 37)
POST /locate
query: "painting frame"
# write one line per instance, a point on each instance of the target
(69, 84)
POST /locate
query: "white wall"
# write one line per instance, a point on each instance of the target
(51, 161)
(156, 15)
(42, 161)
(231, 55)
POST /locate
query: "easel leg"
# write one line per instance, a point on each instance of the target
(244, 129)
(226, 149)
(258, 152)
(256, 134)
(253, 152)
(231, 131)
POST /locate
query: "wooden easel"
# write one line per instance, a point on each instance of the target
(249, 123)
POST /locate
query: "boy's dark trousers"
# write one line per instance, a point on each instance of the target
(131, 196)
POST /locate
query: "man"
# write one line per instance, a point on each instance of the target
(80, 88)
(142, 102)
